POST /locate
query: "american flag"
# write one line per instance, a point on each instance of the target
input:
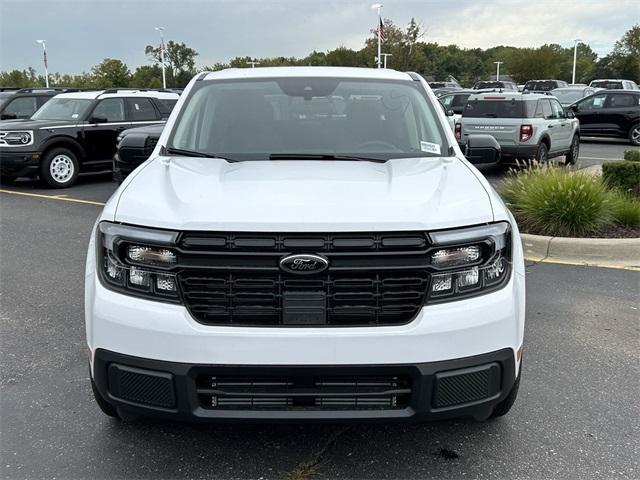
(380, 30)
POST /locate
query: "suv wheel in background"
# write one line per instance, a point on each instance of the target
(634, 134)
(574, 151)
(543, 153)
(59, 168)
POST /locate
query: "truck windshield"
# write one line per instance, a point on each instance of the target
(254, 119)
(63, 109)
(496, 109)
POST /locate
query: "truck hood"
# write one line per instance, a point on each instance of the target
(208, 194)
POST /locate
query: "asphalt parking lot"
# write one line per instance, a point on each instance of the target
(576, 416)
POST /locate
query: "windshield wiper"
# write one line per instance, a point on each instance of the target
(323, 156)
(193, 153)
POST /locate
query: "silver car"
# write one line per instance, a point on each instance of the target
(526, 125)
(568, 95)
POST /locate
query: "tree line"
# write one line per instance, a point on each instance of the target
(408, 51)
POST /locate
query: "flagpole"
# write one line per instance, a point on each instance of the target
(378, 6)
(46, 67)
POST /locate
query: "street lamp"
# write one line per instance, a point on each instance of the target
(164, 77)
(385, 55)
(46, 67)
(575, 54)
(378, 6)
(498, 70)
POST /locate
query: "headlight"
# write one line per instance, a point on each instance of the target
(16, 138)
(137, 261)
(469, 261)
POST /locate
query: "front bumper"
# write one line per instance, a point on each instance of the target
(19, 164)
(466, 387)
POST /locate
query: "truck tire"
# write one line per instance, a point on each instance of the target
(634, 135)
(542, 155)
(105, 406)
(574, 151)
(59, 168)
(504, 406)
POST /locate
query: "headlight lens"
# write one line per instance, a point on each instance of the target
(469, 261)
(137, 261)
(16, 138)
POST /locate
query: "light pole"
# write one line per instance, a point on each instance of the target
(253, 63)
(498, 70)
(164, 77)
(385, 55)
(378, 6)
(575, 54)
(46, 66)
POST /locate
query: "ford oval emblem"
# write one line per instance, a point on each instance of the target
(304, 264)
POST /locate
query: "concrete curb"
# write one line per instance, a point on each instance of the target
(599, 252)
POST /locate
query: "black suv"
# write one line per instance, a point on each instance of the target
(610, 113)
(543, 85)
(77, 132)
(16, 104)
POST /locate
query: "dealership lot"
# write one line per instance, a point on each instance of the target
(574, 418)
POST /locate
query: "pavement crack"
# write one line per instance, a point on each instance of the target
(311, 465)
(546, 255)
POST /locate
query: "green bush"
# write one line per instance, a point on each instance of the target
(625, 209)
(623, 175)
(554, 201)
(632, 155)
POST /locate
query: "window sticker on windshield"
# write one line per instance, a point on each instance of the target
(430, 147)
(137, 106)
(75, 115)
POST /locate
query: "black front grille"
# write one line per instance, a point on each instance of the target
(372, 279)
(367, 392)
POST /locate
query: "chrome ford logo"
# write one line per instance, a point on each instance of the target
(304, 264)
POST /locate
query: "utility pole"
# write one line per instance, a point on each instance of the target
(46, 66)
(164, 77)
(575, 55)
(498, 70)
(378, 6)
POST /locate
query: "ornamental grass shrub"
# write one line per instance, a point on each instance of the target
(626, 209)
(551, 200)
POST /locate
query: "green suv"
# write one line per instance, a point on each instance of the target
(527, 126)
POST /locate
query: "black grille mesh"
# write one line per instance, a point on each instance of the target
(464, 388)
(147, 389)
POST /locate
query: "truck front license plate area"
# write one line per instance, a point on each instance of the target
(304, 308)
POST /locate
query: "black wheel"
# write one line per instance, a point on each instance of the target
(543, 153)
(574, 151)
(59, 168)
(105, 406)
(503, 407)
(634, 135)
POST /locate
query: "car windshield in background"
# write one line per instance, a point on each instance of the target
(495, 109)
(455, 102)
(256, 119)
(568, 96)
(483, 85)
(607, 84)
(166, 105)
(63, 109)
(540, 86)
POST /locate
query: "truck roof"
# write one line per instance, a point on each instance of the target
(270, 72)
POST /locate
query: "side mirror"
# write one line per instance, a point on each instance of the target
(135, 148)
(98, 120)
(569, 113)
(482, 149)
(450, 113)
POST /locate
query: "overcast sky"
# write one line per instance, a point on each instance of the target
(80, 33)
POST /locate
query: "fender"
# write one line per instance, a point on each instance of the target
(65, 140)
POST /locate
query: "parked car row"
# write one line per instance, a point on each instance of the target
(543, 125)
(77, 132)
(534, 85)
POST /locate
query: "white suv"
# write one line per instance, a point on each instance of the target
(306, 244)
